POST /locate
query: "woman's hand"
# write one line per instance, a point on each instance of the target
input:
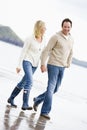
(18, 70)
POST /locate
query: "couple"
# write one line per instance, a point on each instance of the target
(59, 50)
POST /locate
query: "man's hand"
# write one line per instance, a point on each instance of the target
(43, 68)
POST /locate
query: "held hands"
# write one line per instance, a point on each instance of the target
(43, 68)
(18, 70)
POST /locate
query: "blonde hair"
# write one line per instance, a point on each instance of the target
(37, 28)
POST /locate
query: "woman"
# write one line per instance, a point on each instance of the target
(29, 58)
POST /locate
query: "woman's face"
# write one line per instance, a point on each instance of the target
(43, 29)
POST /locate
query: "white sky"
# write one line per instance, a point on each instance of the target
(21, 15)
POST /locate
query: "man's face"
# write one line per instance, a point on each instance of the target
(66, 28)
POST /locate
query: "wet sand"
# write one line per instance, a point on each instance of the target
(69, 111)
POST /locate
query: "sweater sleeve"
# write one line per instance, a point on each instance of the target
(48, 49)
(69, 58)
(23, 52)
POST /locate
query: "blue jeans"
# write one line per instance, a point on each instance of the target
(27, 79)
(55, 76)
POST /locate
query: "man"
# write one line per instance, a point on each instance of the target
(59, 52)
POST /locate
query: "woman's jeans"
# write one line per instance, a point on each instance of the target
(55, 76)
(27, 79)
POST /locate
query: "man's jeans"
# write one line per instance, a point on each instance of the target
(55, 76)
(27, 79)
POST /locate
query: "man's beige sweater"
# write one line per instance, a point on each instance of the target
(59, 50)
